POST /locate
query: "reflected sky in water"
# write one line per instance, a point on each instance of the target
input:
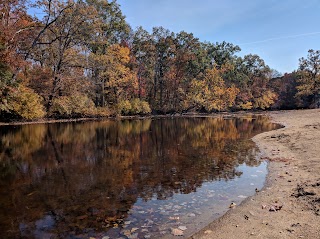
(125, 179)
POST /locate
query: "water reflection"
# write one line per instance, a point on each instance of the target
(74, 180)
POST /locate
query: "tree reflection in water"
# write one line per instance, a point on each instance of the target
(68, 179)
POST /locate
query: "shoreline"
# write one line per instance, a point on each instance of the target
(292, 184)
(134, 117)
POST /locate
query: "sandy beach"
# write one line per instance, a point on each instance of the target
(289, 204)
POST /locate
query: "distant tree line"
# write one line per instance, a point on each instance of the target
(82, 59)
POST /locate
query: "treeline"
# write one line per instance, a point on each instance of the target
(82, 59)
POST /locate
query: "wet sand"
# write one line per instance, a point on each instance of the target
(289, 204)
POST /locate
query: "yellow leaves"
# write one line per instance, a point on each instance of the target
(265, 101)
(114, 73)
(27, 104)
(246, 106)
(211, 92)
(133, 107)
(78, 104)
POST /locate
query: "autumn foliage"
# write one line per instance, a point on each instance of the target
(82, 59)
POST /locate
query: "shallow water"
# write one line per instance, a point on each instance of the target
(125, 179)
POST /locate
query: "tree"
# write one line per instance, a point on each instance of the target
(309, 78)
(16, 31)
(117, 80)
(221, 53)
(285, 88)
(143, 61)
(253, 76)
(211, 93)
(66, 30)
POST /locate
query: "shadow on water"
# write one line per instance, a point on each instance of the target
(75, 180)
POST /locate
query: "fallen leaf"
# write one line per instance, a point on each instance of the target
(177, 232)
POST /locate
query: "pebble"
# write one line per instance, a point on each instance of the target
(183, 228)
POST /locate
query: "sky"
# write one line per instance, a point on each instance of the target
(279, 31)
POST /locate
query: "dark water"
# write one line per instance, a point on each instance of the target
(125, 179)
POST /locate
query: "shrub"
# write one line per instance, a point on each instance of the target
(71, 106)
(26, 103)
(103, 112)
(124, 107)
(145, 107)
(136, 106)
(133, 107)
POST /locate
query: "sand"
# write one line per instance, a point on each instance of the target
(288, 206)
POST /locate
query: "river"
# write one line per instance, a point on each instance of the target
(148, 178)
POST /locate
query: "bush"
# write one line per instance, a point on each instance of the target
(26, 103)
(103, 112)
(72, 106)
(245, 106)
(145, 107)
(133, 107)
(124, 107)
(136, 106)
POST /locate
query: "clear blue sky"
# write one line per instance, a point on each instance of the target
(279, 31)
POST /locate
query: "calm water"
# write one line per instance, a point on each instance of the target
(125, 179)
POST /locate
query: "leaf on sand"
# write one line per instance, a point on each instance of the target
(134, 229)
(177, 232)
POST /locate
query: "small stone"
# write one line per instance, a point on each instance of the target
(183, 228)
(207, 232)
(272, 209)
(232, 205)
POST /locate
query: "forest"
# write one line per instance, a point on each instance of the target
(81, 58)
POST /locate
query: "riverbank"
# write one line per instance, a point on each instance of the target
(288, 206)
(134, 117)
